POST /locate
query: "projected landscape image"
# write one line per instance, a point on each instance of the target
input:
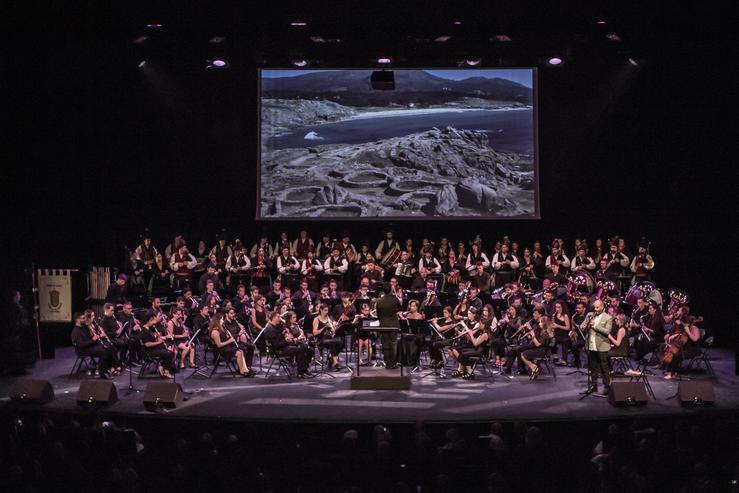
(444, 143)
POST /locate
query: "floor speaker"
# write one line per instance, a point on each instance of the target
(97, 393)
(162, 395)
(32, 391)
(695, 393)
(627, 394)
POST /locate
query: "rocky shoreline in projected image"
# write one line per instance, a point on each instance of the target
(465, 157)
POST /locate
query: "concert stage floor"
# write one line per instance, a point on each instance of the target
(430, 399)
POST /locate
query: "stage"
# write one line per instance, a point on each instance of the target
(329, 399)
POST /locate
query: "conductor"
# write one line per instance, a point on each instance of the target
(387, 312)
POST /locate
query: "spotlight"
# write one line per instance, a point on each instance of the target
(298, 24)
(457, 23)
(555, 60)
(142, 63)
(154, 25)
(633, 62)
(443, 39)
(601, 22)
(216, 40)
(217, 63)
(472, 62)
(502, 38)
(300, 62)
(384, 61)
(613, 37)
(141, 40)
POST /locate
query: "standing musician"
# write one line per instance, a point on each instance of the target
(182, 263)
(312, 268)
(523, 341)
(452, 270)
(238, 267)
(262, 244)
(241, 336)
(617, 261)
(118, 291)
(347, 248)
(682, 344)
(581, 260)
(178, 332)
(335, 263)
(561, 329)
(372, 271)
(155, 345)
(323, 249)
(282, 243)
(444, 326)
(412, 343)
(429, 263)
(160, 279)
(504, 265)
(226, 346)
(280, 338)
(541, 341)
(409, 248)
(462, 253)
(642, 264)
(302, 245)
(324, 330)
(146, 252)
(87, 342)
(220, 253)
(286, 263)
(557, 257)
(576, 335)
(476, 255)
(462, 308)
(405, 270)
(444, 248)
(466, 343)
(598, 325)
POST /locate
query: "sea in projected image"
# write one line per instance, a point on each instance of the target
(445, 143)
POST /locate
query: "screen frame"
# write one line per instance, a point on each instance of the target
(537, 199)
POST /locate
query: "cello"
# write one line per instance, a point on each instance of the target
(674, 347)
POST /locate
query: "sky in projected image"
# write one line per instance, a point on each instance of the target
(443, 144)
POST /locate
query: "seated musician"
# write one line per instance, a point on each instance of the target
(443, 326)
(428, 262)
(688, 334)
(555, 276)
(474, 299)
(476, 255)
(540, 342)
(275, 295)
(333, 290)
(404, 270)
(241, 336)
(302, 300)
(412, 343)
(619, 337)
(364, 339)
(200, 324)
(324, 331)
(118, 291)
(210, 275)
(302, 245)
(431, 300)
(560, 322)
(466, 343)
(182, 263)
(508, 325)
(87, 342)
(504, 265)
(373, 271)
(155, 345)
(114, 330)
(179, 334)
(226, 346)
(282, 341)
(419, 283)
(524, 342)
(652, 334)
(481, 279)
(345, 311)
(131, 330)
(286, 263)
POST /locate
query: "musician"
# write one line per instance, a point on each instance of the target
(461, 253)
(324, 331)
(286, 263)
(114, 330)
(117, 291)
(462, 308)
(179, 334)
(507, 326)
(160, 280)
(335, 263)
(146, 252)
(504, 265)
(238, 267)
(466, 344)
(346, 247)
(282, 243)
(617, 261)
(89, 343)
(302, 245)
(412, 343)
(190, 303)
(219, 254)
(604, 271)
(476, 255)
(598, 326)
(131, 330)
(372, 271)
(541, 341)
(474, 300)
(640, 310)
(429, 263)
(642, 264)
(444, 248)
(386, 245)
(136, 283)
(280, 338)
(561, 327)
(302, 300)
(619, 337)
(622, 248)
(210, 275)
(452, 270)
(174, 246)
(262, 244)
(481, 279)
(404, 270)
(431, 299)
(653, 332)
(443, 326)
(240, 335)
(312, 268)
(578, 317)
(687, 333)
(364, 338)
(324, 247)
(346, 311)
(557, 257)
(200, 324)
(410, 250)
(210, 292)
(582, 261)
(275, 295)
(226, 345)
(539, 316)
(259, 316)
(387, 308)
(154, 343)
(182, 263)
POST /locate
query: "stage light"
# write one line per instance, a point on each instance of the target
(555, 61)
(154, 25)
(472, 62)
(502, 38)
(141, 40)
(613, 37)
(384, 61)
(443, 39)
(601, 22)
(318, 39)
(298, 24)
(457, 23)
(142, 63)
(217, 40)
(300, 62)
(633, 62)
(217, 63)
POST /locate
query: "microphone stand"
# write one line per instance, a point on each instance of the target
(579, 371)
(589, 390)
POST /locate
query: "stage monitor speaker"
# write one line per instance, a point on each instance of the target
(383, 80)
(97, 393)
(695, 393)
(627, 394)
(162, 395)
(32, 391)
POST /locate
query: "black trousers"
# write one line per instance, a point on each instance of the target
(567, 346)
(599, 367)
(533, 353)
(498, 344)
(436, 347)
(333, 344)
(677, 360)
(515, 355)
(104, 355)
(163, 354)
(301, 352)
(122, 346)
(411, 349)
(389, 342)
(644, 347)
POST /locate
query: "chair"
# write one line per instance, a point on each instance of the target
(546, 361)
(483, 359)
(703, 357)
(220, 359)
(282, 363)
(620, 364)
(90, 363)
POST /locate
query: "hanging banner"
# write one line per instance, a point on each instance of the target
(55, 295)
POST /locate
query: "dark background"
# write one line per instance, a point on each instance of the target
(100, 149)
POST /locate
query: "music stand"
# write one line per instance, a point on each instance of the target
(373, 325)
(345, 330)
(415, 328)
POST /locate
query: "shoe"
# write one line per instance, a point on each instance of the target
(182, 366)
(194, 367)
(535, 373)
(167, 374)
(632, 373)
(469, 376)
(338, 367)
(457, 374)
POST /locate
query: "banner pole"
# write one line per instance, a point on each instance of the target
(36, 312)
